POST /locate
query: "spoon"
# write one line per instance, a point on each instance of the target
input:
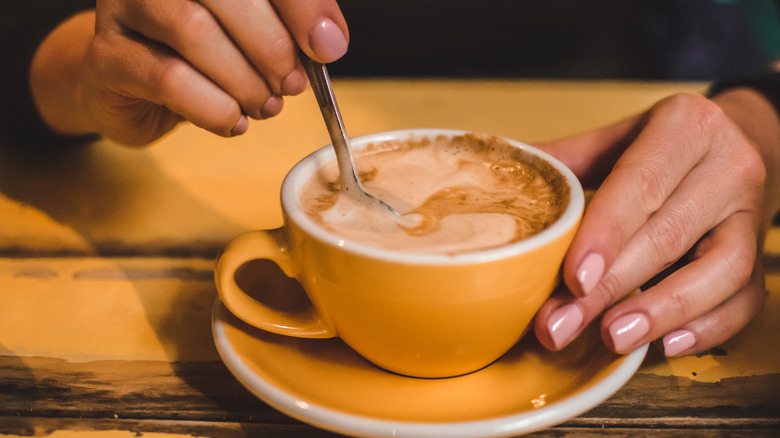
(348, 176)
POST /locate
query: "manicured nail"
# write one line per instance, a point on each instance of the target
(564, 323)
(295, 82)
(677, 342)
(327, 41)
(272, 106)
(241, 126)
(590, 271)
(627, 331)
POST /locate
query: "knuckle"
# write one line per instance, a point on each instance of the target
(701, 113)
(280, 47)
(192, 22)
(707, 120)
(171, 82)
(682, 303)
(667, 238)
(739, 265)
(748, 163)
(727, 320)
(653, 182)
(168, 77)
(276, 59)
(703, 118)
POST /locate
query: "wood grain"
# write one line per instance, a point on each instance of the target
(39, 394)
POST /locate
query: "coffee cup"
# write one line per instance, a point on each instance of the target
(415, 309)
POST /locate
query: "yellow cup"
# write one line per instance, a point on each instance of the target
(413, 314)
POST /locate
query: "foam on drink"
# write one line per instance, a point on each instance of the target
(463, 193)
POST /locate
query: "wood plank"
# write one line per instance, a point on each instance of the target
(119, 428)
(203, 391)
(87, 309)
(37, 388)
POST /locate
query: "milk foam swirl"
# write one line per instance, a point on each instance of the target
(466, 193)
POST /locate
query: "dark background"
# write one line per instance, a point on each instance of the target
(586, 39)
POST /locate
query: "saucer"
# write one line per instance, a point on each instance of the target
(325, 383)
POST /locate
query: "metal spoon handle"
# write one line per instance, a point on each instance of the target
(323, 91)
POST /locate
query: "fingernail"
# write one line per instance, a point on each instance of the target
(677, 342)
(241, 126)
(272, 106)
(327, 41)
(564, 323)
(590, 271)
(295, 82)
(628, 330)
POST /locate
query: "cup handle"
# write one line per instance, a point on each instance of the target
(270, 245)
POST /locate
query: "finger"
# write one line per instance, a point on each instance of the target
(318, 27)
(193, 32)
(563, 317)
(719, 325)
(691, 210)
(560, 320)
(638, 185)
(151, 72)
(723, 264)
(264, 39)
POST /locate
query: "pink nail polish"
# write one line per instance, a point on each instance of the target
(241, 126)
(627, 331)
(590, 271)
(677, 342)
(327, 41)
(564, 323)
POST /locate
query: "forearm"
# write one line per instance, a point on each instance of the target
(57, 80)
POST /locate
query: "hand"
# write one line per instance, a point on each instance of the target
(684, 200)
(212, 62)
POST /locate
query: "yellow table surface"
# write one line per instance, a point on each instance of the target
(106, 252)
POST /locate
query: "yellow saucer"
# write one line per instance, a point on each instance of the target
(325, 383)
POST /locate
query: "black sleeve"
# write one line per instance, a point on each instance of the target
(23, 26)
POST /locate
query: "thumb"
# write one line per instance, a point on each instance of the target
(319, 28)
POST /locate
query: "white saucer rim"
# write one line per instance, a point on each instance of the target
(358, 425)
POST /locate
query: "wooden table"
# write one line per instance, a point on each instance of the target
(106, 283)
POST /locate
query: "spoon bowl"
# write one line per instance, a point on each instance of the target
(348, 176)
